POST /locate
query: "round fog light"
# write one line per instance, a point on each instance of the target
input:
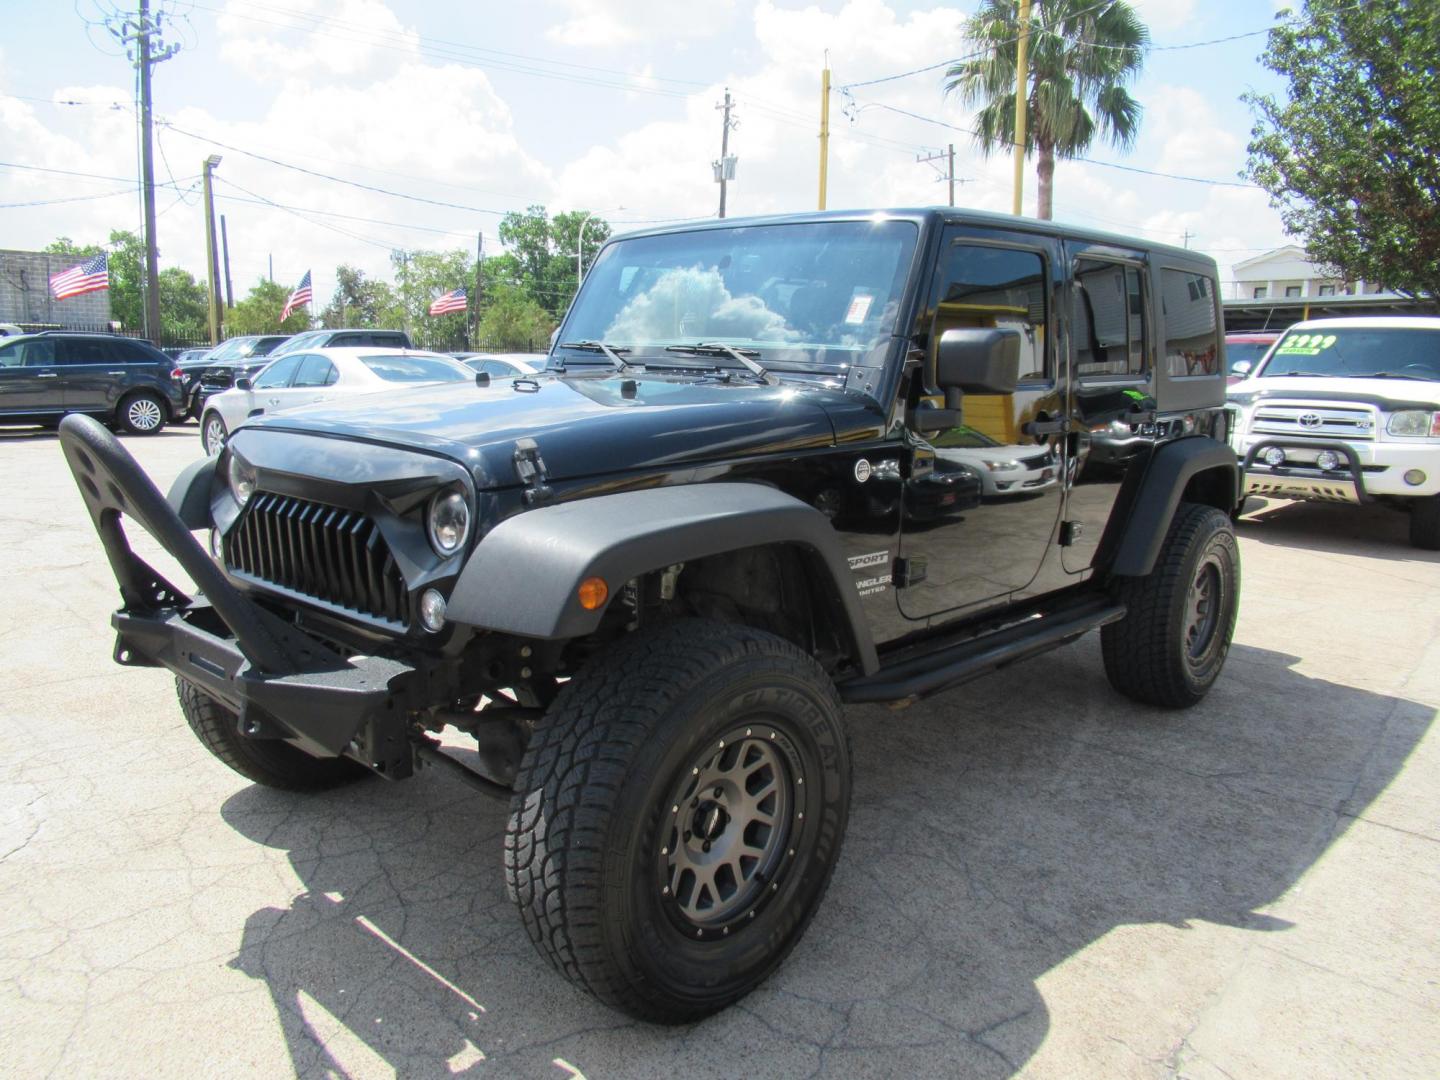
(1415, 477)
(1274, 457)
(432, 610)
(1327, 460)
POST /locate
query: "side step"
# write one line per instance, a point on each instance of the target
(916, 677)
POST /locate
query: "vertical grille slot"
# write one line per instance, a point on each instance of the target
(320, 551)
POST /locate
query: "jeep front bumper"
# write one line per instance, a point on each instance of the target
(281, 683)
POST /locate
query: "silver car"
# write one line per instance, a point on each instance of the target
(303, 378)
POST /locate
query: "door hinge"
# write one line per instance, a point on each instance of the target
(908, 571)
(530, 468)
(1070, 531)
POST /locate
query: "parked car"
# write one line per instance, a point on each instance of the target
(613, 579)
(117, 379)
(8, 329)
(230, 360)
(1004, 470)
(345, 339)
(320, 375)
(1347, 411)
(1245, 349)
(503, 365)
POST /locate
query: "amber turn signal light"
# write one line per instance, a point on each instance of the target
(592, 593)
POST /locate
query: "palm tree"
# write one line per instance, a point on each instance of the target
(1081, 54)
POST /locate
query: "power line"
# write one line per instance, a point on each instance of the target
(70, 199)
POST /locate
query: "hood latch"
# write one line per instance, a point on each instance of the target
(530, 468)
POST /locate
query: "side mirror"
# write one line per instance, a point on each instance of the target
(1241, 367)
(243, 383)
(978, 360)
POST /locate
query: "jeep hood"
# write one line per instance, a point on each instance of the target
(583, 425)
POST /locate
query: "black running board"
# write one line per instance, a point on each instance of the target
(916, 677)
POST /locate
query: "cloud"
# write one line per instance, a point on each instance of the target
(1165, 16)
(359, 37)
(602, 24)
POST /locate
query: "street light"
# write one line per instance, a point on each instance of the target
(580, 246)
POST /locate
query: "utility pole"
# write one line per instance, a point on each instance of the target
(1186, 237)
(947, 156)
(225, 252)
(824, 126)
(211, 269)
(1022, 83)
(479, 248)
(725, 167)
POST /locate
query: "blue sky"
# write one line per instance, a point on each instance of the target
(590, 104)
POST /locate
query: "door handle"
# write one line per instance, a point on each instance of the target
(48, 375)
(1057, 426)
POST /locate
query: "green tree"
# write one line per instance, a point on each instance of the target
(513, 322)
(259, 313)
(421, 278)
(178, 288)
(544, 252)
(1349, 157)
(1081, 55)
(359, 301)
(184, 307)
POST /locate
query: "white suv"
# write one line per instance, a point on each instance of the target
(1347, 410)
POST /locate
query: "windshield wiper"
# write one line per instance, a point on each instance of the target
(611, 352)
(1298, 375)
(719, 348)
(1397, 375)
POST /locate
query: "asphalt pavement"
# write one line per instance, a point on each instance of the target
(1040, 878)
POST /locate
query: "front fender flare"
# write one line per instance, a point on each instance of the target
(523, 576)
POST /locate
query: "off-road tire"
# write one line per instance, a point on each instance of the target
(142, 413)
(1148, 654)
(265, 761)
(1425, 523)
(586, 843)
(207, 421)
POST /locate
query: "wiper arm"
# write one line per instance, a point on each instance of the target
(1298, 375)
(1397, 375)
(719, 348)
(611, 352)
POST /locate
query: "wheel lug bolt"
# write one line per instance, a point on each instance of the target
(705, 846)
(664, 851)
(718, 792)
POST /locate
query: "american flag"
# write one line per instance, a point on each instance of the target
(301, 295)
(451, 301)
(90, 276)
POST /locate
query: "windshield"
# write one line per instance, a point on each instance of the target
(1357, 352)
(817, 296)
(299, 341)
(232, 349)
(1246, 352)
(415, 369)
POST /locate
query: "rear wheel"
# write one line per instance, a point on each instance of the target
(142, 413)
(1425, 523)
(677, 817)
(1170, 647)
(270, 762)
(212, 433)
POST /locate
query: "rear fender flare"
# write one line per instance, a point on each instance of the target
(523, 576)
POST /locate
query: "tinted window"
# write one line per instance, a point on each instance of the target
(136, 352)
(278, 374)
(38, 353)
(315, 370)
(988, 286)
(1107, 326)
(411, 369)
(79, 351)
(265, 346)
(388, 341)
(1191, 338)
(498, 367)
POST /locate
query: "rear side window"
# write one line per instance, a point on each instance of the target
(414, 369)
(133, 352)
(1191, 325)
(315, 371)
(499, 368)
(387, 341)
(1107, 328)
(79, 351)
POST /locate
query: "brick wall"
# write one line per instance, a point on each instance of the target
(25, 292)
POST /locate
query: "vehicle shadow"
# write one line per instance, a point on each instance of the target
(1372, 530)
(996, 832)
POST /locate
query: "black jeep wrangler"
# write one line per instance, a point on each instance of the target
(773, 466)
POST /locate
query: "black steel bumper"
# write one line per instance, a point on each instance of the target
(1306, 482)
(282, 683)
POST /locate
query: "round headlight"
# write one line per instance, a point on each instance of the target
(1327, 460)
(1274, 457)
(242, 479)
(449, 522)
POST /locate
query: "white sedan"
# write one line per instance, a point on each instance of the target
(303, 378)
(1005, 469)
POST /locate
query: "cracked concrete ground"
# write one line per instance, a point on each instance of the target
(1040, 878)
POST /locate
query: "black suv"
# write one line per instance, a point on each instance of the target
(228, 361)
(646, 580)
(120, 380)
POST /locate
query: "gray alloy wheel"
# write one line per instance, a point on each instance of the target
(212, 433)
(142, 414)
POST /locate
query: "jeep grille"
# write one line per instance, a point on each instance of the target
(322, 552)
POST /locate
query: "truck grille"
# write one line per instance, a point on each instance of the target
(1309, 421)
(334, 555)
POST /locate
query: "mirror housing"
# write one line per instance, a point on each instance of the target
(243, 383)
(978, 360)
(1241, 367)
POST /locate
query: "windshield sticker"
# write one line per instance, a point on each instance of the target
(859, 308)
(1305, 345)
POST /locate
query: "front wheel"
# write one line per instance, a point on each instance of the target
(142, 413)
(212, 433)
(677, 817)
(1172, 643)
